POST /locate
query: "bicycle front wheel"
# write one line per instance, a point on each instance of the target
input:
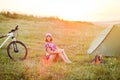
(17, 51)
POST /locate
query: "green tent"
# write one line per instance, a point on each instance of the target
(108, 43)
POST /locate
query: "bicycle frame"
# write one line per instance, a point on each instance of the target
(9, 35)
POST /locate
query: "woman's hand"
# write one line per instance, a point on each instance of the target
(59, 50)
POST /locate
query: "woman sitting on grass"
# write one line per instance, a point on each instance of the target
(53, 52)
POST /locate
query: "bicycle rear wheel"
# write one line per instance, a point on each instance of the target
(17, 51)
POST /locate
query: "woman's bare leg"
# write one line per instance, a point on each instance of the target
(63, 55)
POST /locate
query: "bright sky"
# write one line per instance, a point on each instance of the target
(77, 10)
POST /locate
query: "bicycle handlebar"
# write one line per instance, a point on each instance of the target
(13, 30)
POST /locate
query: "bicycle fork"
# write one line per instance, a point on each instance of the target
(15, 45)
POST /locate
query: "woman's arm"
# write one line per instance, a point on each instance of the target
(52, 52)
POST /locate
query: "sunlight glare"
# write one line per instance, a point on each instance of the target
(86, 10)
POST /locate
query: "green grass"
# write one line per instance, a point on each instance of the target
(74, 37)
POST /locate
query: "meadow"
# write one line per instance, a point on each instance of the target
(74, 37)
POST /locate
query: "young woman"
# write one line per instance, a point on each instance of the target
(53, 52)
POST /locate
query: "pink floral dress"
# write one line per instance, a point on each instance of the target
(50, 45)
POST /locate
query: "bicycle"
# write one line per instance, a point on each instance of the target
(16, 49)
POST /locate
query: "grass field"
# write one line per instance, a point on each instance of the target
(74, 37)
